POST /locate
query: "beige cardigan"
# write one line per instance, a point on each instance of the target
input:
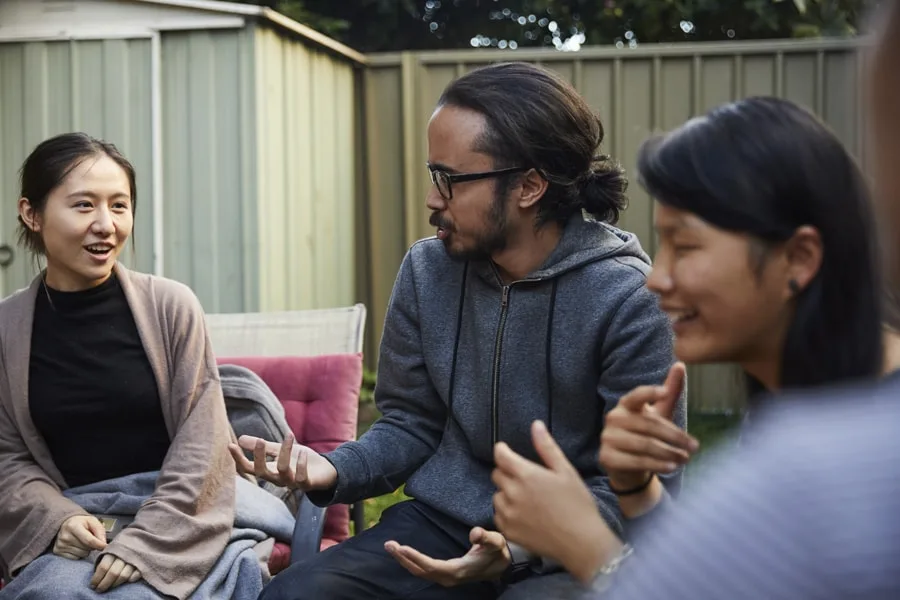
(180, 532)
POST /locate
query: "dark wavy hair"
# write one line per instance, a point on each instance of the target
(764, 167)
(536, 119)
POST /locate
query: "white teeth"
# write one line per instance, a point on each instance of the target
(99, 248)
(681, 316)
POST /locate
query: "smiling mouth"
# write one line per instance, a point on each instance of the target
(677, 318)
(99, 249)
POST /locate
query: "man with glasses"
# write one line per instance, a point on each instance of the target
(494, 323)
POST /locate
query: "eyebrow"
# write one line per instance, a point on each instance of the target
(89, 194)
(441, 167)
(680, 225)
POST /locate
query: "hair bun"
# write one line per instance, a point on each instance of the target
(603, 189)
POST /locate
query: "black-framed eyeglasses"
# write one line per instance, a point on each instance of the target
(444, 181)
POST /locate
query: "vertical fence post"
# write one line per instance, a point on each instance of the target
(411, 129)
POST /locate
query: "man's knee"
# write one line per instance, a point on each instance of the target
(560, 586)
(310, 580)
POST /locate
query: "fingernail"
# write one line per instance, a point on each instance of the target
(541, 432)
(694, 445)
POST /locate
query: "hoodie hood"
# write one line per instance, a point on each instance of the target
(586, 240)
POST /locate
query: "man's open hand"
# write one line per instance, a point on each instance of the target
(486, 560)
(294, 467)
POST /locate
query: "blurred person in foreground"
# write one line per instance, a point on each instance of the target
(805, 507)
(764, 222)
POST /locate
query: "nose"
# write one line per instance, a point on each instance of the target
(103, 223)
(434, 201)
(660, 279)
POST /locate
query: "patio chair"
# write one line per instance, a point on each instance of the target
(312, 361)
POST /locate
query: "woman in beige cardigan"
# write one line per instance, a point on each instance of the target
(104, 373)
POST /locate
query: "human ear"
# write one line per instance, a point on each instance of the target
(803, 252)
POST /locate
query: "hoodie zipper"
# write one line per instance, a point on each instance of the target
(495, 386)
(498, 342)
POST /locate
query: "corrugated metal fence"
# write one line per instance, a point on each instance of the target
(293, 180)
(636, 92)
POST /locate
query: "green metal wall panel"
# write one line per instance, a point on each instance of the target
(307, 175)
(209, 166)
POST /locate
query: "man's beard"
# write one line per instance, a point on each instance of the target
(492, 240)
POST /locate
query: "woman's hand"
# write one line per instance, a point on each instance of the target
(639, 437)
(112, 572)
(79, 536)
(548, 509)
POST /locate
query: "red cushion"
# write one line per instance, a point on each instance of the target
(280, 559)
(320, 395)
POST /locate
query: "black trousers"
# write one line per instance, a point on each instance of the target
(360, 568)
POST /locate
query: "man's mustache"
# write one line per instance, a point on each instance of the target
(435, 220)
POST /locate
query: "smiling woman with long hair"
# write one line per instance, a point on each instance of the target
(767, 259)
(105, 373)
(767, 253)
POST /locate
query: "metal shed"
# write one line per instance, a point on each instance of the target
(242, 125)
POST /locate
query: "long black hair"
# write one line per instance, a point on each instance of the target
(764, 167)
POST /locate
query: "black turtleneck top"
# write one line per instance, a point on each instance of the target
(91, 391)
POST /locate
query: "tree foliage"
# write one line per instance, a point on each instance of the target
(391, 25)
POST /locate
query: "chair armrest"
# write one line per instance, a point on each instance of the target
(307, 530)
(358, 516)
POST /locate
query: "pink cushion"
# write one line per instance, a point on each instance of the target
(320, 395)
(280, 559)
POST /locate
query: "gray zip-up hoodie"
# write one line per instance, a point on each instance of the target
(467, 361)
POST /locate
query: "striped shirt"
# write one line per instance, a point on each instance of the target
(807, 507)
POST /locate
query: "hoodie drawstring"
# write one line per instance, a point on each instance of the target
(547, 350)
(547, 355)
(459, 320)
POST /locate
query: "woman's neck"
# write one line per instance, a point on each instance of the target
(763, 360)
(891, 361)
(64, 280)
(766, 372)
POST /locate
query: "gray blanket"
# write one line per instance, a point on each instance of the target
(238, 574)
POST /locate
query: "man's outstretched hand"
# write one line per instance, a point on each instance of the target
(294, 467)
(488, 558)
